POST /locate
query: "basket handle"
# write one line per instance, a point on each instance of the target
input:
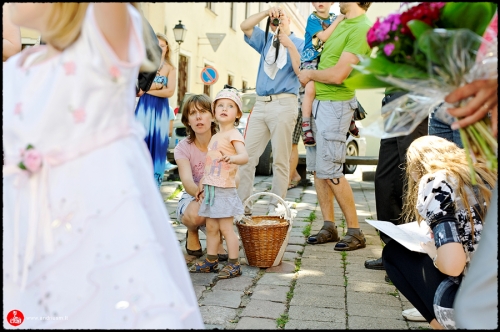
(288, 212)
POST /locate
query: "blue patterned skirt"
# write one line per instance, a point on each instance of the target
(152, 112)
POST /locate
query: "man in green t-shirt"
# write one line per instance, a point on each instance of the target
(332, 113)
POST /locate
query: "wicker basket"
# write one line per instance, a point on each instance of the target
(263, 243)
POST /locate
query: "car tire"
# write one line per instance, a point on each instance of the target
(265, 165)
(352, 150)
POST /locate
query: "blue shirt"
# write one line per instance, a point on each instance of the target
(286, 81)
(314, 25)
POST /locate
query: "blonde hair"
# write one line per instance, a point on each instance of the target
(429, 154)
(64, 26)
(161, 36)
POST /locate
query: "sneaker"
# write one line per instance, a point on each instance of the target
(308, 138)
(413, 315)
(230, 271)
(353, 130)
(205, 267)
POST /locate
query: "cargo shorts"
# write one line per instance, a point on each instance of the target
(329, 123)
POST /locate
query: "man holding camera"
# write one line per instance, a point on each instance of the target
(275, 111)
(332, 112)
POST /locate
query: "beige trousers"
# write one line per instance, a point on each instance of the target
(273, 120)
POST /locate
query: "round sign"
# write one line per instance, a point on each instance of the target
(209, 75)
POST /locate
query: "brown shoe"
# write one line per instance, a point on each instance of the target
(351, 241)
(325, 235)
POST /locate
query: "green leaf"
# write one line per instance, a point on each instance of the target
(384, 67)
(365, 81)
(21, 166)
(474, 16)
(30, 147)
(418, 27)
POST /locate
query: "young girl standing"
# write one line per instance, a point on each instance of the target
(85, 238)
(219, 201)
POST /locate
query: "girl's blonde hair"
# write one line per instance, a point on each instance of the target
(161, 36)
(65, 23)
(429, 154)
(201, 102)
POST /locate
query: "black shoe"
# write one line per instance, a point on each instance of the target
(374, 264)
(197, 253)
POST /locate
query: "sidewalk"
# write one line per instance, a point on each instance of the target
(314, 287)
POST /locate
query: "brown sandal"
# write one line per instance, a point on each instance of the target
(351, 241)
(325, 235)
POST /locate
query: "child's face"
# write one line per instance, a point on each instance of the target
(30, 14)
(322, 7)
(226, 111)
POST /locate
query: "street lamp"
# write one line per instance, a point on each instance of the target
(180, 33)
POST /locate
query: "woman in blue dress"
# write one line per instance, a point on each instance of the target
(153, 110)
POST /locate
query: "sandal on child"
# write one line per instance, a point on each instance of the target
(352, 240)
(325, 235)
(205, 267)
(230, 271)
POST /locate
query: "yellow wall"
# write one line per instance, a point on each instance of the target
(234, 57)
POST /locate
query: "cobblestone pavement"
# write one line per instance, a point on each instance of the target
(314, 287)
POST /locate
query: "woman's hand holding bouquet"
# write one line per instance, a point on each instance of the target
(431, 50)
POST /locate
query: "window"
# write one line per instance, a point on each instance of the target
(182, 78)
(230, 80)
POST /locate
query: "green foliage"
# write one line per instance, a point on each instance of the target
(474, 16)
(307, 230)
(282, 320)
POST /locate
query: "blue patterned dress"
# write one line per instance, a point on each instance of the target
(153, 113)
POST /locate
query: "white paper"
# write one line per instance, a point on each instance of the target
(409, 235)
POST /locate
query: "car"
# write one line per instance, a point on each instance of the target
(355, 146)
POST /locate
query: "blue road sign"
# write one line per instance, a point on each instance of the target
(209, 75)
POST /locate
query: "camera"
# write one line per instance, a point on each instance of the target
(276, 22)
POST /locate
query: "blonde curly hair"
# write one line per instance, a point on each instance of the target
(429, 154)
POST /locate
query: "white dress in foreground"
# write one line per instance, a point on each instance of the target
(87, 241)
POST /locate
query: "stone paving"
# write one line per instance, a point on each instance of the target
(314, 287)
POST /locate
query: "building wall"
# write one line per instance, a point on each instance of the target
(234, 57)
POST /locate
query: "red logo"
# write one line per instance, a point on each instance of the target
(15, 317)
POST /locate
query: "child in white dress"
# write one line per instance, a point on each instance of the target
(219, 200)
(87, 241)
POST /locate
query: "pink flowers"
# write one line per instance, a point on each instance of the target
(69, 67)
(31, 159)
(115, 72)
(79, 115)
(388, 48)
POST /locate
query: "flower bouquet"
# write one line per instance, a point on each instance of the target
(430, 50)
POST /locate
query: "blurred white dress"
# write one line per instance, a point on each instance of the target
(87, 241)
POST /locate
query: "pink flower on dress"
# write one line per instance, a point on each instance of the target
(70, 67)
(79, 115)
(115, 72)
(18, 109)
(31, 159)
